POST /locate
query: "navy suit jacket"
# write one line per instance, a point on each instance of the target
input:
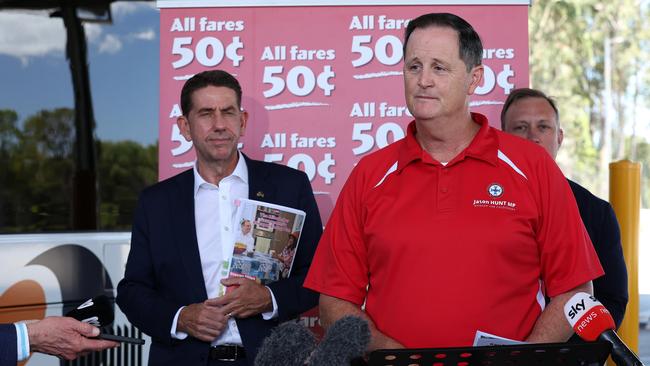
(8, 345)
(163, 270)
(601, 224)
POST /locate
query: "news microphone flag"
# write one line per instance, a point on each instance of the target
(591, 321)
(587, 316)
(97, 311)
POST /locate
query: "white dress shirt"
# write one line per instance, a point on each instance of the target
(22, 341)
(214, 214)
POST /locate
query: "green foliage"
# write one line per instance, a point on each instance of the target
(643, 154)
(568, 61)
(37, 160)
(37, 187)
(8, 131)
(125, 167)
(9, 137)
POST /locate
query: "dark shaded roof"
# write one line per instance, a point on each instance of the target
(53, 4)
(100, 9)
(97, 7)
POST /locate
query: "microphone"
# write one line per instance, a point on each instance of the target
(290, 344)
(96, 311)
(99, 312)
(591, 320)
(347, 339)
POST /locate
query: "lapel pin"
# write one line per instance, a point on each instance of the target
(260, 194)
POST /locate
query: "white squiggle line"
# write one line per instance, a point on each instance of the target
(183, 77)
(382, 74)
(294, 105)
(484, 102)
(183, 165)
(186, 77)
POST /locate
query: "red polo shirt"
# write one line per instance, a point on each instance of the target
(439, 252)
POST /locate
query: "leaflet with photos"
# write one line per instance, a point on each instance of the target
(265, 242)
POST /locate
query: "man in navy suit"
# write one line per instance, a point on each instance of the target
(531, 114)
(55, 335)
(182, 238)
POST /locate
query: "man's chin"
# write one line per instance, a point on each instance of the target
(426, 115)
(426, 110)
(223, 154)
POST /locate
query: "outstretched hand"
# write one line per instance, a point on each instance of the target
(65, 337)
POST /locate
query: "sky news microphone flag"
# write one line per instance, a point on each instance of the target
(592, 321)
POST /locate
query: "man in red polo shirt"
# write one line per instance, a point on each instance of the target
(456, 228)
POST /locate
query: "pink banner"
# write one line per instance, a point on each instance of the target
(323, 84)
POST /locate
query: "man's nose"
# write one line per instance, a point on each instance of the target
(425, 79)
(533, 135)
(218, 122)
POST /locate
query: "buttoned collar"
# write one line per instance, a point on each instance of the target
(240, 172)
(484, 146)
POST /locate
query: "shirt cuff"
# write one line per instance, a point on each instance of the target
(271, 314)
(22, 344)
(175, 334)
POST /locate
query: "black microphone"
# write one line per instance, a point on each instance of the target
(289, 344)
(99, 312)
(591, 320)
(346, 340)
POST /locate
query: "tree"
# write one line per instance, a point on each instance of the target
(9, 137)
(38, 165)
(125, 168)
(9, 133)
(643, 153)
(43, 167)
(590, 55)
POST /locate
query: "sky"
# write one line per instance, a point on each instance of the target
(123, 60)
(123, 64)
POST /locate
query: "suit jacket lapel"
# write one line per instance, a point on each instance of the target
(183, 201)
(259, 186)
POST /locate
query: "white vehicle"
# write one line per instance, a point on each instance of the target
(50, 274)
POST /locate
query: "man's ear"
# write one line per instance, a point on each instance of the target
(184, 126)
(476, 75)
(560, 137)
(244, 122)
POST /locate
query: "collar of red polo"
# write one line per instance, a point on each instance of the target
(484, 146)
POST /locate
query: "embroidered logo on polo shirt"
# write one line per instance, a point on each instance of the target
(494, 190)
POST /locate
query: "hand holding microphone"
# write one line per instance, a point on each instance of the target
(64, 337)
(591, 321)
(98, 312)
